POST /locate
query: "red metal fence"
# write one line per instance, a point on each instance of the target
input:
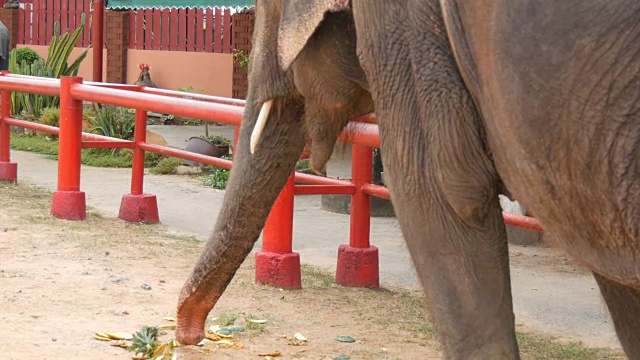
(199, 30)
(357, 262)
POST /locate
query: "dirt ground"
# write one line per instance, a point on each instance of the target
(62, 281)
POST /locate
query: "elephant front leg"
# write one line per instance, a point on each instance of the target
(442, 182)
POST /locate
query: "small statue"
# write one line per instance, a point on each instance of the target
(12, 4)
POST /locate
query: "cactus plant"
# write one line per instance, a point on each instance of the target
(55, 66)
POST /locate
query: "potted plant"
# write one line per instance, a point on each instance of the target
(221, 142)
(201, 145)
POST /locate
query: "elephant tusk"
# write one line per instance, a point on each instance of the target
(260, 123)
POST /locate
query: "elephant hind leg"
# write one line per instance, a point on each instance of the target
(624, 305)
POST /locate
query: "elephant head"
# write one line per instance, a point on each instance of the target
(304, 81)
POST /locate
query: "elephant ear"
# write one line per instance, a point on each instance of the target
(298, 21)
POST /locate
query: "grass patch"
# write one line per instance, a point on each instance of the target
(218, 178)
(167, 165)
(253, 326)
(313, 276)
(40, 144)
(225, 319)
(114, 158)
(544, 347)
(303, 164)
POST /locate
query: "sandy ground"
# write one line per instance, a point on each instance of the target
(62, 281)
(551, 294)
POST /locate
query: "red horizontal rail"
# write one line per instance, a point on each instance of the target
(366, 118)
(183, 107)
(324, 189)
(201, 97)
(33, 126)
(108, 144)
(114, 86)
(181, 154)
(30, 77)
(33, 85)
(525, 222)
(361, 134)
(377, 191)
(320, 180)
(56, 131)
(92, 83)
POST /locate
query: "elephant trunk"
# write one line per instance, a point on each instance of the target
(254, 184)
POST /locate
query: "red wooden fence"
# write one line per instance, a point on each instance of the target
(36, 20)
(194, 30)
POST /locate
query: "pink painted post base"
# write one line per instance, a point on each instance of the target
(69, 205)
(8, 172)
(358, 267)
(282, 270)
(139, 208)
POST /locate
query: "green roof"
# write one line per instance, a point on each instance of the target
(146, 4)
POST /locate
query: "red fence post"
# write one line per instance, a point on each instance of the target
(138, 206)
(276, 264)
(97, 43)
(358, 261)
(8, 170)
(69, 202)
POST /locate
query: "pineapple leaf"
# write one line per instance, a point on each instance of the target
(144, 341)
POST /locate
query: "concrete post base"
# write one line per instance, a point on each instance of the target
(69, 205)
(358, 267)
(8, 172)
(139, 208)
(282, 270)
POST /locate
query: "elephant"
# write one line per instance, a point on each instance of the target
(534, 99)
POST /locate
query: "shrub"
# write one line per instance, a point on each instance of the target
(217, 139)
(240, 58)
(166, 166)
(51, 117)
(55, 66)
(111, 121)
(26, 55)
(218, 178)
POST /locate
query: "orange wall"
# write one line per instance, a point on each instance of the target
(174, 69)
(86, 68)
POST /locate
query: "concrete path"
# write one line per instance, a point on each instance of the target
(561, 304)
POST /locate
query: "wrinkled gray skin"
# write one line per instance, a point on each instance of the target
(540, 97)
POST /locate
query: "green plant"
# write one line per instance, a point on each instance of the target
(303, 164)
(50, 116)
(111, 121)
(218, 178)
(226, 319)
(240, 58)
(166, 166)
(217, 139)
(144, 341)
(25, 55)
(55, 66)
